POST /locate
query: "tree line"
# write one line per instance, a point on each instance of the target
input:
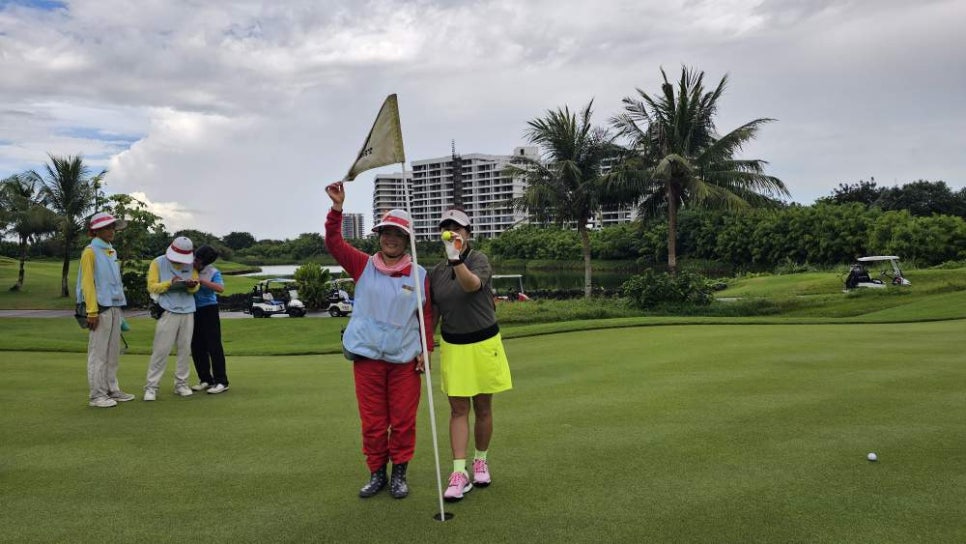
(722, 243)
(924, 222)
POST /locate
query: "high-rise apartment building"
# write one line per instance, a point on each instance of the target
(612, 215)
(389, 193)
(474, 182)
(353, 225)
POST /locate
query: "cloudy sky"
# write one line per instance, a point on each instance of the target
(232, 116)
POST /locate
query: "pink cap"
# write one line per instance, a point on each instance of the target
(395, 218)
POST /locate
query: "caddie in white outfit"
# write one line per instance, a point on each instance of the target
(173, 280)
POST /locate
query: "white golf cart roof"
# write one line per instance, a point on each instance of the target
(503, 276)
(877, 258)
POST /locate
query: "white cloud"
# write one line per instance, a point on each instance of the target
(173, 215)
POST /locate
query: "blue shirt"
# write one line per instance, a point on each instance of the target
(206, 296)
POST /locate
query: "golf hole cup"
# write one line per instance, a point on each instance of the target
(872, 457)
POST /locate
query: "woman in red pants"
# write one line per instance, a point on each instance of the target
(382, 340)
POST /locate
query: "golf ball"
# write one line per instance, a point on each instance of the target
(872, 457)
(447, 236)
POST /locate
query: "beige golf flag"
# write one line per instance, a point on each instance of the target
(384, 145)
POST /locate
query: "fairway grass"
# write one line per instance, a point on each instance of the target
(698, 433)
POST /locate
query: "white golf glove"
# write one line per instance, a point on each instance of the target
(453, 246)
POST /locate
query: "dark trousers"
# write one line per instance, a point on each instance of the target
(206, 349)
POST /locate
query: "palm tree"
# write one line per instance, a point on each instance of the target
(70, 192)
(678, 158)
(565, 186)
(24, 215)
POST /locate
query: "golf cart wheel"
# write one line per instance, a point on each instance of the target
(298, 312)
(257, 312)
(334, 312)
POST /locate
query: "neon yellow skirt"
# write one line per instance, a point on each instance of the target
(472, 369)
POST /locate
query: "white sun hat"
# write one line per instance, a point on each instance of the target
(103, 219)
(181, 251)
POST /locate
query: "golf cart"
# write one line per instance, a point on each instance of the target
(511, 285)
(263, 303)
(339, 300)
(859, 276)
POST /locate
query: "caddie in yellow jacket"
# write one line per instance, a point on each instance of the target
(172, 282)
(101, 294)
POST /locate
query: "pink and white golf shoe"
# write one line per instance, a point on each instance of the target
(459, 484)
(481, 473)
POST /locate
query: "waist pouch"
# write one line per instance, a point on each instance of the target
(80, 313)
(155, 310)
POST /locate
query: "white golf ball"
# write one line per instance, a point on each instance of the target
(872, 457)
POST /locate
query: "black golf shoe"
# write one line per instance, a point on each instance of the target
(377, 481)
(398, 487)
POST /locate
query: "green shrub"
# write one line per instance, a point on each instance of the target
(135, 280)
(657, 289)
(313, 282)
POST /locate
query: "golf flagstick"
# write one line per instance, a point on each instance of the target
(443, 515)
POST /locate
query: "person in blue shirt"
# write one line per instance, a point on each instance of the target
(206, 349)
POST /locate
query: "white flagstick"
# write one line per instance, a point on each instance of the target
(426, 354)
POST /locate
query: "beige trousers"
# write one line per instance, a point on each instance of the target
(104, 354)
(172, 330)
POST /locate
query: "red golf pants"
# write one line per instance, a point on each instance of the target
(388, 396)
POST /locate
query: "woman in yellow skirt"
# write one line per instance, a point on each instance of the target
(474, 365)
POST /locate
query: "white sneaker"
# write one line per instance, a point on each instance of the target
(183, 391)
(200, 387)
(218, 388)
(150, 394)
(102, 403)
(121, 396)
